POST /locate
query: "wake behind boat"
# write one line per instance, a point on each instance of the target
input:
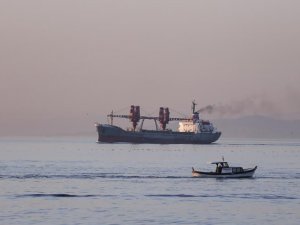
(223, 170)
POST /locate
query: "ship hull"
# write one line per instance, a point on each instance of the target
(111, 134)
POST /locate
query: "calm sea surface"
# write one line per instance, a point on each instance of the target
(74, 180)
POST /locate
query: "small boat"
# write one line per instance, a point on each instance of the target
(223, 170)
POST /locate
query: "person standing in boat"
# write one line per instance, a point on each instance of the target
(219, 168)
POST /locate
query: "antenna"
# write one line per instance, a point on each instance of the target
(193, 106)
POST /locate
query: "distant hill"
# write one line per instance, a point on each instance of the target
(258, 127)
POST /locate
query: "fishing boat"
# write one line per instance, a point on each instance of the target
(223, 170)
(191, 130)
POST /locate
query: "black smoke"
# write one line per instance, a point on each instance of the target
(247, 106)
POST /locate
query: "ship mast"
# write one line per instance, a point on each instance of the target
(195, 114)
(111, 117)
(193, 106)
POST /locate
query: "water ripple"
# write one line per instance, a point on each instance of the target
(244, 196)
(89, 176)
(58, 195)
(122, 176)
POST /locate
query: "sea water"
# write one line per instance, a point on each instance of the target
(74, 180)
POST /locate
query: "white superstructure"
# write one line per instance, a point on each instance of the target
(199, 126)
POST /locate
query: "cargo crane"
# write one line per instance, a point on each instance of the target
(163, 117)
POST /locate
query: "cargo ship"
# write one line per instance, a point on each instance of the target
(191, 130)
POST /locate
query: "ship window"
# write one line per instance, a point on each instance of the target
(237, 170)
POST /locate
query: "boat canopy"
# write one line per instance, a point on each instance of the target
(217, 162)
(221, 163)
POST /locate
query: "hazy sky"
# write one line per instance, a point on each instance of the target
(64, 64)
